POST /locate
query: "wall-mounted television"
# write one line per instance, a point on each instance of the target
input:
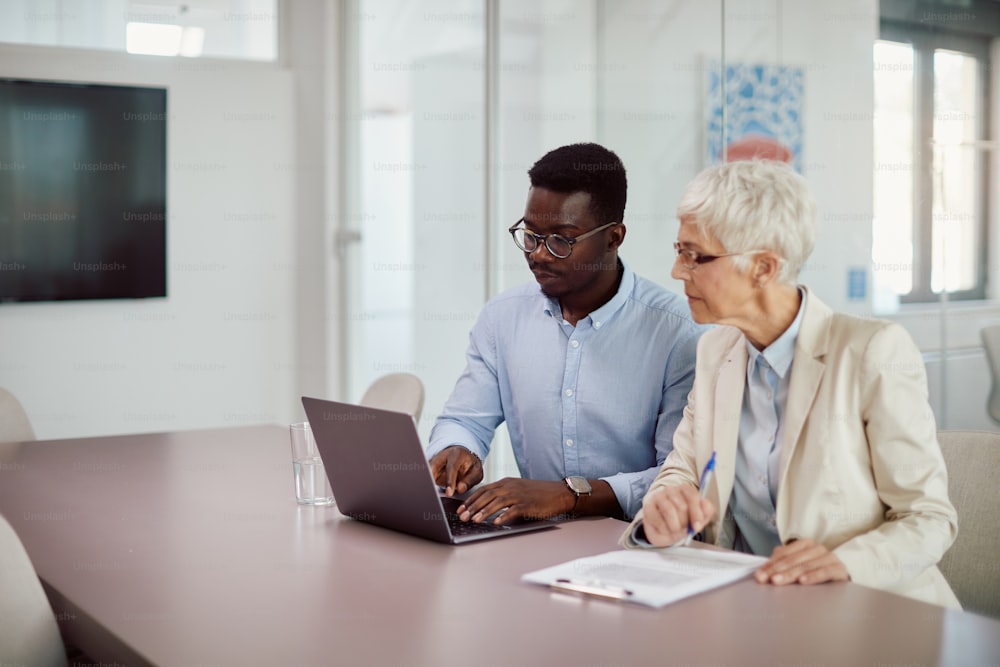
(82, 191)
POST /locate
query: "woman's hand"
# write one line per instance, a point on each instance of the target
(669, 511)
(801, 562)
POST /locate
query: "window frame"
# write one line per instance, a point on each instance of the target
(924, 43)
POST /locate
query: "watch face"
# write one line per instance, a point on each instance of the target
(578, 484)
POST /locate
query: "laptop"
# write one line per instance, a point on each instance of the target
(379, 474)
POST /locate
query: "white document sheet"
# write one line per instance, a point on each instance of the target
(653, 577)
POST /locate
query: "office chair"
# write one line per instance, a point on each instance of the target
(970, 566)
(28, 634)
(401, 392)
(991, 344)
(14, 423)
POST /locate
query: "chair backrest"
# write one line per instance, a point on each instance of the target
(14, 423)
(970, 566)
(991, 344)
(28, 634)
(401, 392)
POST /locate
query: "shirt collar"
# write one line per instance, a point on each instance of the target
(780, 353)
(605, 312)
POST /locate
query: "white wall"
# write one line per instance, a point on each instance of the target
(218, 351)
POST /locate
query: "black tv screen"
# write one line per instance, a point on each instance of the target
(82, 191)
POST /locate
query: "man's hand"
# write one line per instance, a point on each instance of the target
(668, 511)
(456, 469)
(519, 498)
(804, 562)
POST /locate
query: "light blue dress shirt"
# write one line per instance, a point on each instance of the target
(600, 400)
(762, 425)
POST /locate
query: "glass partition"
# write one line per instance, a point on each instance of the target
(443, 147)
(418, 274)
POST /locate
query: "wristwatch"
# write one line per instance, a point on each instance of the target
(580, 487)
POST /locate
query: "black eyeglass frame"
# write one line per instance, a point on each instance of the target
(544, 238)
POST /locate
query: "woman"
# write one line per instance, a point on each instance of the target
(826, 454)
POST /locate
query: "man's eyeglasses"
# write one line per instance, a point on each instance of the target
(691, 259)
(558, 246)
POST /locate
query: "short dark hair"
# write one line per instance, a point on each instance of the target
(589, 168)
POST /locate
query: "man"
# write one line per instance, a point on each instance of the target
(590, 367)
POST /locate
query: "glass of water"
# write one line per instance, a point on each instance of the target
(311, 484)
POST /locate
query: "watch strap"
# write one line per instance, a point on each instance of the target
(577, 493)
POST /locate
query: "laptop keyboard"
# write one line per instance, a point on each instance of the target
(459, 527)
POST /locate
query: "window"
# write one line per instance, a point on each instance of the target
(930, 172)
(236, 29)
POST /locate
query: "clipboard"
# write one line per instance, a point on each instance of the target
(595, 588)
(650, 577)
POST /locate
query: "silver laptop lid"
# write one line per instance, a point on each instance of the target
(377, 468)
(379, 473)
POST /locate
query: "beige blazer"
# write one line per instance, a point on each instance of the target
(861, 470)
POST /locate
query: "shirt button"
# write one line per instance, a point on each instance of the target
(769, 396)
(772, 521)
(569, 442)
(574, 343)
(597, 325)
(569, 392)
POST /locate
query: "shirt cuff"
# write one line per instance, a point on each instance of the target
(636, 537)
(447, 434)
(630, 488)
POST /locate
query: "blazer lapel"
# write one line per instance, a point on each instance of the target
(729, 384)
(807, 372)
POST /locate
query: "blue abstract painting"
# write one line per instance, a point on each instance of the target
(763, 113)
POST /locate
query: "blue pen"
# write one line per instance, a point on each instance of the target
(706, 477)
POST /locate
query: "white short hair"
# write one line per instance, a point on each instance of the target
(754, 205)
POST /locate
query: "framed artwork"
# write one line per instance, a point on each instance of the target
(763, 113)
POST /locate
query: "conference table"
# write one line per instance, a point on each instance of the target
(188, 548)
